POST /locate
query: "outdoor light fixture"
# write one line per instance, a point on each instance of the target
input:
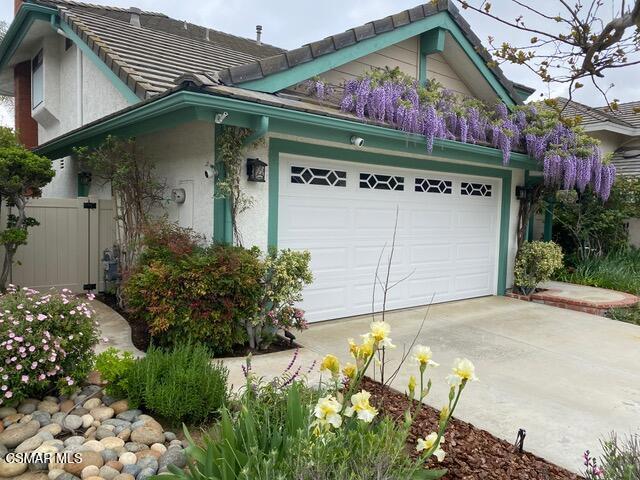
(357, 141)
(84, 178)
(523, 192)
(220, 117)
(256, 170)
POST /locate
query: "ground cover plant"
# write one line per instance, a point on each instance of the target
(46, 343)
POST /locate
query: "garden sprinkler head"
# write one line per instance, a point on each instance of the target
(519, 445)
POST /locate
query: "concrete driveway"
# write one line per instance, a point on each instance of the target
(566, 377)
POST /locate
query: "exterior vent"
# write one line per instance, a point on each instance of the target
(259, 34)
(135, 16)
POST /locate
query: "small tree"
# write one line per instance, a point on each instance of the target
(22, 176)
(135, 191)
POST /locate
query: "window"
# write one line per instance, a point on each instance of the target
(381, 182)
(318, 176)
(475, 189)
(37, 80)
(431, 185)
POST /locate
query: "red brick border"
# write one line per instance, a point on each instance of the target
(594, 308)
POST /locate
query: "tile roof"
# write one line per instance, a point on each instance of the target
(149, 57)
(623, 116)
(627, 160)
(628, 112)
(286, 60)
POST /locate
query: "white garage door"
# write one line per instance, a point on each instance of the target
(344, 214)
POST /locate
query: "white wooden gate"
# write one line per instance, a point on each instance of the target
(65, 249)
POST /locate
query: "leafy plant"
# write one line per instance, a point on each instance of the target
(114, 367)
(620, 459)
(181, 384)
(46, 341)
(23, 174)
(536, 262)
(205, 296)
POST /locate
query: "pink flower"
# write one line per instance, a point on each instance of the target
(42, 316)
(25, 378)
(8, 394)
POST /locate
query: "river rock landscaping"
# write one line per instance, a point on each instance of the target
(114, 441)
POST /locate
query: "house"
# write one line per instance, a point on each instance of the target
(334, 183)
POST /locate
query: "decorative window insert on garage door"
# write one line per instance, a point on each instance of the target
(450, 231)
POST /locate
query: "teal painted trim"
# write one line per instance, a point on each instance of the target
(304, 71)
(432, 41)
(548, 220)
(83, 188)
(524, 94)
(222, 227)
(293, 122)
(278, 146)
(479, 62)
(274, 192)
(116, 81)
(16, 32)
(422, 68)
(260, 131)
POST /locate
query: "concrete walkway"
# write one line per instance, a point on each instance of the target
(567, 377)
(114, 330)
(589, 295)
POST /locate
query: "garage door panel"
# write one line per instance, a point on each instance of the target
(446, 243)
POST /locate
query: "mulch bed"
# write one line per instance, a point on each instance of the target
(141, 338)
(472, 453)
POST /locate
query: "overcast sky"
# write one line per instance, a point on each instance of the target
(289, 24)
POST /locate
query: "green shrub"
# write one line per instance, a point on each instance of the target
(169, 242)
(181, 384)
(114, 367)
(46, 342)
(206, 296)
(535, 263)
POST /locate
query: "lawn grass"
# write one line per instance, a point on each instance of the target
(616, 271)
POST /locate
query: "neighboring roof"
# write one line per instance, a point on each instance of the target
(286, 60)
(627, 112)
(151, 56)
(589, 115)
(627, 160)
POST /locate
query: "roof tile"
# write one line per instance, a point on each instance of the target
(401, 19)
(322, 47)
(344, 39)
(273, 64)
(383, 25)
(245, 73)
(299, 55)
(364, 31)
(416, 13)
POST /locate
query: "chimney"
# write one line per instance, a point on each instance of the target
(135, 16)
(16, 6)
(26, 126)
(258, 34)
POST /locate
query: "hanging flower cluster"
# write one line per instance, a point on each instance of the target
(570, 158)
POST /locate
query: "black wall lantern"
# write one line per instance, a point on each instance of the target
(256, 170)
(523, 192)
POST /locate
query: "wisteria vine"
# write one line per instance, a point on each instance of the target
(570, 158)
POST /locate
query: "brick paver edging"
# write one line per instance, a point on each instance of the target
(594, 308)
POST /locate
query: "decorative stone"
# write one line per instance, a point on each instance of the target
(87, 459)
(67, 476)
(173, 456)
(94, 445)
(114, 464)
(90, 471)
(132, 469)
(112, 442)
(108, 473)
(6, 411)
(128, 458)
(27, 408)
(58, 418)
(43, 418)
(29, 444)
(55, 473)
(145, 473)
(3, 451)
(11, 470)
(72, 422)
(9, 419)
(148, 453)
(169, 436)
(13, 437)
(109, 454)
(79, 411)
(95, 478)
(49, 407)
(94, 378)
(90, 433)
(125, 434)
(46, 436)
(124, 476)
(92, 403)
(53, 428)
(135, 447)
(120, 406)
(147, 435)
(75, 440)
(87, 420)
(103, 432)
(67, 406)
(102, 413)
(159, 447)
(148, 462)
(129, 415)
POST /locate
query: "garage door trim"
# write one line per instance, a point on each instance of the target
(277, 146)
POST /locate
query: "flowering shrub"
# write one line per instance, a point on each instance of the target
(536, 262)
(620, 459)
(46, 341)
(570, 158)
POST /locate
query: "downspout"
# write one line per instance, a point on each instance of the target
(259, 132)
